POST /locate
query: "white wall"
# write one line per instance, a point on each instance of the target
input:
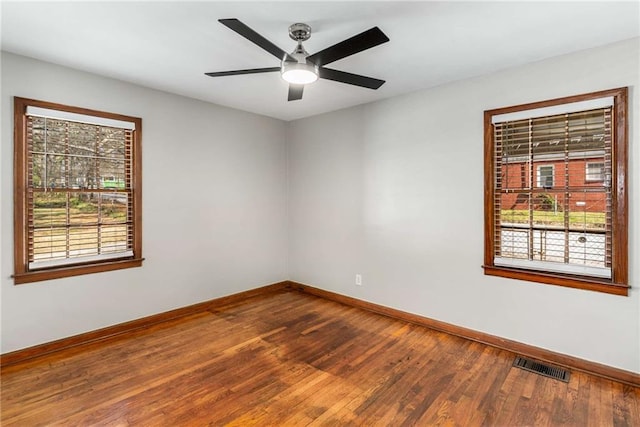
(370, 191)
(214, 207)
(394, 191)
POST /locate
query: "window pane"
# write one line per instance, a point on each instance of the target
(49, 243)
(515, 175)
(49, 209)
(587, 240)
(588, 211)
(548, 228)
(83, 209)
(515, 138)
(111, 143)
(514, 242)
(112, 174)
(515, 208)
(38, 171)
(114, 208)
(549, 245)
(83, 241)
(587, 249)
(586, 131)
(82, 173)
(55, 136)
(114, 238)
(548, 137)
(82, 139)
(37, 134)
(56, 171)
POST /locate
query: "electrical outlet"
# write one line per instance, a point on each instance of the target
(358, 279)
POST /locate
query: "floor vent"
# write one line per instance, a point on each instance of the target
(542, 369)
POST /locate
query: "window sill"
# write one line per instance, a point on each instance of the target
(76, 270)
(577, 282)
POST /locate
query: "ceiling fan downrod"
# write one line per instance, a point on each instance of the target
(299, 32)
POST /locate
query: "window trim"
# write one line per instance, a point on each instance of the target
(22, 274)
(618, 284)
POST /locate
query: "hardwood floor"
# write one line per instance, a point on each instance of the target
(290, 358)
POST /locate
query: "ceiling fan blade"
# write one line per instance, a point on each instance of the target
(295, 92)
(363, 41)
(238, 72)
(255, 38)
(349, 78)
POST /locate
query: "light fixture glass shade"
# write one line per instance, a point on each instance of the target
(298, 73)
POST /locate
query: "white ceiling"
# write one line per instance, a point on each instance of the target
(170, 45)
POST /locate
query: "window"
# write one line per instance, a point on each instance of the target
(544, 222)
(594, 172)
(77, 191)
(545, 176)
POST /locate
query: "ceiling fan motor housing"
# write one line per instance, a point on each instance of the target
(304, 72)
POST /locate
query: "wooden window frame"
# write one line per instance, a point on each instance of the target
(618, 284)
(22, 273)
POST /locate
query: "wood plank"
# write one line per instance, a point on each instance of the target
(593, 368)
(18, 356)
(290, 358)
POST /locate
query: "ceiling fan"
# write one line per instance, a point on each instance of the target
(298, 67)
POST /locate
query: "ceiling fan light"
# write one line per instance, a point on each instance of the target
(298, 73)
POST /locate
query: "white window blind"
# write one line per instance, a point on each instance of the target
(79, 196)
(547, 215)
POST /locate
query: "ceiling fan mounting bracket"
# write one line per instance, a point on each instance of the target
(299, 32)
